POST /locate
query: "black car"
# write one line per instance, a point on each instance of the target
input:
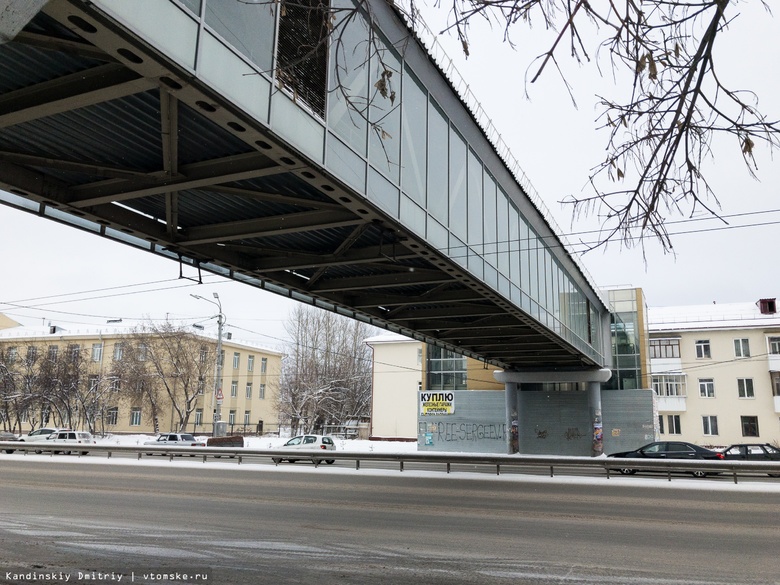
(669, 450)
(753, 452)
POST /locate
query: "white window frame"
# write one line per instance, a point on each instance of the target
(709, 425)
(97, 352)
(232, 417)
(135, 417)
(742, 348)
(236, 360)
(703, 349)
(263, 365)
(247, 416)
(249, 390)
(774, 345)
(234, 388)
(250, 363)
(262, 392)
(707, 387)
(745, 389)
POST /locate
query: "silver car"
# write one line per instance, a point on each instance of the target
(308, 443)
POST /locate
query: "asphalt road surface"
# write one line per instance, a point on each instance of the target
(91, 523)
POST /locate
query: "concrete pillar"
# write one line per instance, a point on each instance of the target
(594, 407)
(593, 378)
(510, 388)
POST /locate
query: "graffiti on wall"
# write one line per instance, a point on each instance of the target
(462, 431)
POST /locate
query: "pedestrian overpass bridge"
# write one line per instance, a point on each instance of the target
(353, 177)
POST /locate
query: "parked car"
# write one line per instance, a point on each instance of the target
(40, 434)
(67, 437)
(175, 440)
(309, 443)
(6, 436)
(668, 450)
(753, 452)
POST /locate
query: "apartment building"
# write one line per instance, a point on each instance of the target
(716, 372)
(113, 380)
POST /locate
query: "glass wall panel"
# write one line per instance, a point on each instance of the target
(514, 244)
(525, 258)
(249, 28)
(346, 164)
(474, 202)
(502, 219)
(533, 264)
(438, 161)
(458, 162)
(490, 235)
(414, 119)
(348, 78)
(384, 144)
(383, 192)
(413, 216)
(438, 236)
(458, 251)
(193, 5)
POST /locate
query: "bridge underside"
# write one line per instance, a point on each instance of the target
(98, 130)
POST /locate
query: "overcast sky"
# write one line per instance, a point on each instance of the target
(61, 275)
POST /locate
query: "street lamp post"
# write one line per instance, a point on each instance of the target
(217, 431)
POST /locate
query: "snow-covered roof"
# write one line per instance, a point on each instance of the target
(54, 332)
(390, 337)
(713, 316)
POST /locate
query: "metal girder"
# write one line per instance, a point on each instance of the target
(77, 90)
(399, 279)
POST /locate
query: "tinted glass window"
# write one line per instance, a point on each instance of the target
(187, 438)
(309, 440)
(327, 440)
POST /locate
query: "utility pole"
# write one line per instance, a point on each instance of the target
(218, 396)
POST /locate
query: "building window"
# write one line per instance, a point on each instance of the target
(135, 417)
(749, 426)
(302, 52)
(198, 417)
(703, 349)
(671, 385)
(674, 424)
(774, 345)
(262, 392)
(263, 365)
(767, 306)
(706, 388)
(204, 354)
(745, 387)
(93, 382)
(664, 348)
(249, 389)
(446, 370)
(236, 360)
(661, 424)
(233, 389)
(741, 348)
(247, 415)
(114, 384)
(118, 350)
(419, 356)
(775, 383)
(143, 352)
(54, 351)
(232, 417)
(709, 425)
(74, 351)
(97, 352)
(201, 385)
(250, 363)
(32, 354)
(112, 416)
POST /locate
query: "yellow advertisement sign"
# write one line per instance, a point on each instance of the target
(437, 403)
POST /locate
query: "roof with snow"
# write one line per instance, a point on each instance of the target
(714, 316)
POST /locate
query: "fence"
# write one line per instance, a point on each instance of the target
(447, 460)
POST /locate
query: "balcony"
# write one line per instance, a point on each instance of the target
(678, 403)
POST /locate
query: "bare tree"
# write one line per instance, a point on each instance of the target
(165, 361)
(661, 53)
(326, 372)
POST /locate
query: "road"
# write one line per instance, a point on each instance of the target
(269, 525)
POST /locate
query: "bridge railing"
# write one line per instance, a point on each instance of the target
(462, 461)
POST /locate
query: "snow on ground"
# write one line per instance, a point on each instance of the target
(271, 442)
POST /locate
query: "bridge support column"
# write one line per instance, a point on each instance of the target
(512, 438)
(594, 408)
(593, 379)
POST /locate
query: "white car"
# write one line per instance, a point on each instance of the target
(39, 434)
(308, 443)
(67, 438)
(175, 440)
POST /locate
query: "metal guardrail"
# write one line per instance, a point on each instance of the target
(607, 464)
